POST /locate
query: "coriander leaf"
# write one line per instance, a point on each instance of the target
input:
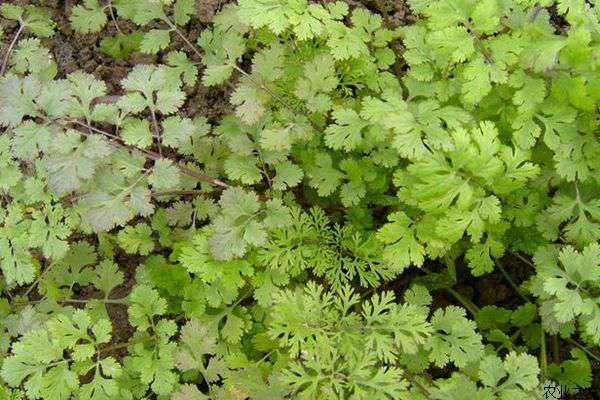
(155, 40)
(165, 175)
(88, 17)
(136, 239)
(136, 132)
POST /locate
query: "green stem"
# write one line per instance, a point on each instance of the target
(113, 17)
(526, 261)
(37, 281)
(472, 308)
(413, 381)
(124, 345)
(585, 349)
(183, 37)
(511, 339)
(179, 193)
(543, 355)
(10, 48)
(511, 282)
(82, 301)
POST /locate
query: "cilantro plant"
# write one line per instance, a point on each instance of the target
(330, 233)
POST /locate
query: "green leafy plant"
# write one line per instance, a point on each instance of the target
(30, 19)
(337, 231)
(91, 17)
(568, 283)
(40, 364)
(122, 45)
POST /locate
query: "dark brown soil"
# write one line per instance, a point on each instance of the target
(206, 9)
